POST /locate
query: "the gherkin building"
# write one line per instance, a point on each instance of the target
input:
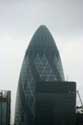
(42, 62)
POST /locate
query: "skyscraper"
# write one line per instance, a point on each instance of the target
(5, 108)
(41, 63)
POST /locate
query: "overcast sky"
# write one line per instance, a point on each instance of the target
(18, 21)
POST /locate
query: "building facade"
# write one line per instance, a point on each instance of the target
(5, 102)
(42, 62)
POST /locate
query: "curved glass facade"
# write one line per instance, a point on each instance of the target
(41, 63)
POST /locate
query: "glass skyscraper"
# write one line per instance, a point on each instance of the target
(5, 102)
(42, 62)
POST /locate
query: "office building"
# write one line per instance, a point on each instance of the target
(42, 62)
(5, 102)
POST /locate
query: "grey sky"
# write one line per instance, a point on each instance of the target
(19, 20)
